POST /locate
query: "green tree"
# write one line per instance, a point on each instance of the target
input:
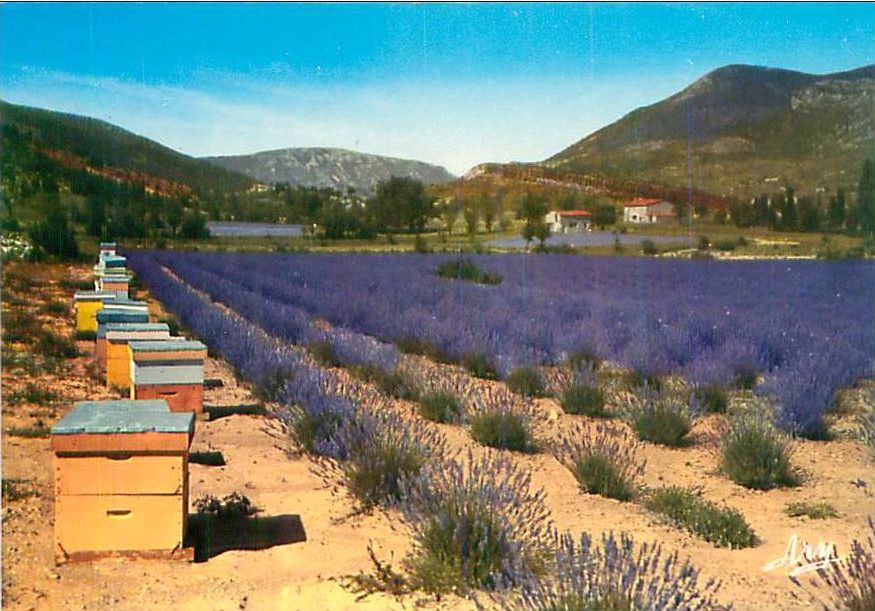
(809, 215)
(532, 211)
(449, 213)
(469, 214)
(789, 215)
(488, 210)
(866, 198)
(194, 226)
(402, 202)
(604, 215)
(836, 210)
(54, 235)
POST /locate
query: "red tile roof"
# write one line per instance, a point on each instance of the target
(645, 202)
(574, 213)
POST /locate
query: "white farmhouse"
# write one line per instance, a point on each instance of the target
(645, 210)
(568, 221)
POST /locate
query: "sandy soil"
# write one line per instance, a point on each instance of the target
(262, 464)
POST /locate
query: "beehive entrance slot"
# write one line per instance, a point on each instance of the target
(118, 513)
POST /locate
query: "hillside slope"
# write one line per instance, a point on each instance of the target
(747, 127)
(84, 142)
(329, 167)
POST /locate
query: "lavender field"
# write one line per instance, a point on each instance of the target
(808, 328)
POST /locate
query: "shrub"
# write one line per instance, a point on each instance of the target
(525, 381)
(440, 406)
(56, 308)
(466, 269)
(850, 582)
(32, 393)
(603, 459)
(583, 400)
(580, 358)
(394, 383)
(479, 366)
(476, 524)
(20, 326)
(745, 377)
(867, 430)
(234, 505)
(636, 379)
(659, 418)
(815, 511)
(725, 245)
(31, 432)
(51, 344)
(617, 575)
(648, 247)
(710, 399)
(86, 335)
(415, 345)
(503, 428)
(381, 449)
(314, 424)
(722, 526)
(754, 455)
(15, 489)
(323, 353)
(704, 242)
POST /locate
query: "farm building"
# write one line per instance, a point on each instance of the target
(118, 357)
(568, 221)
(87, 305)
(121, 479)
(644, 210)
(172, 370)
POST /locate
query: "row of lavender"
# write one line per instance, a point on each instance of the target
(808, 327)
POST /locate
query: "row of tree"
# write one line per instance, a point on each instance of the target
(785, 211)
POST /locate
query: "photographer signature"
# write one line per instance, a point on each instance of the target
(801, 557)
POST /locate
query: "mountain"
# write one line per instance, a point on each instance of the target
(329, 167)
(747, 129)
(104, 149)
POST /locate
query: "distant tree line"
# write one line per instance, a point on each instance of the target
(785, 211)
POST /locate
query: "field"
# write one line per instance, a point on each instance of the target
(349, 353)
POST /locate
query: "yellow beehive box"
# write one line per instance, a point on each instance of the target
(87, 305)
(118, 357)
(121, 480)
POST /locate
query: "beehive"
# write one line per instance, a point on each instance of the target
(171, 370)
(87, 305)
(106, 249)
(121, 479)
(118, 357)
(114, 261)
(119, 311)
(115, 283)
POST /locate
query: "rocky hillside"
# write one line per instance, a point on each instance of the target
(329, 167)
(749, 129)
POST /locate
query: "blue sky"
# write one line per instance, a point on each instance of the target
(454, 84)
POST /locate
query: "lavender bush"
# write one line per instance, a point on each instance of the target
(658, 417)
(618, 575)
(603, 458)
(477, 524)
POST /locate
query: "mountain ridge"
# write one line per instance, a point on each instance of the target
(333, 167)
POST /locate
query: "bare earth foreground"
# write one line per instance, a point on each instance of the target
(262, 464)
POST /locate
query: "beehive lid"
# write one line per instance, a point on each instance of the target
(107, 245)
(125, 303)
(115, 278)
(126, 416)
(167, 346)
(93, 295)
(104, 316)
(137, 326)
(114, 261)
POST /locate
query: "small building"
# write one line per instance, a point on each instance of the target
(87, 305)
(118, 357)
(647, 210)
(568, 221)
(172, 370)
(121, 480)
(135, 311)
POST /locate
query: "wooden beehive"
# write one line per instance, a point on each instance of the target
(106, 249)
(118, 357)
(119, 311)
(115, 283)
(121, 479)
(171, 370)
(87, 305)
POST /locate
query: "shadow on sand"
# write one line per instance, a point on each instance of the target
(211, 534)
